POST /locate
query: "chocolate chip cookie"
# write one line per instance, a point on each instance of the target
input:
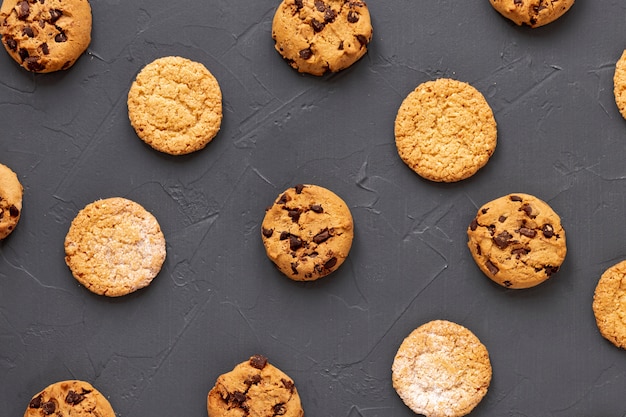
(533, 13)
(445, 130)
(619, 84)
(45, 35)
(316, 36)
(11, 192)
(608, 304)
(69, 398)
(441, 370)
(114, 247)
(307, 232)
(254, 388)
(517, 240)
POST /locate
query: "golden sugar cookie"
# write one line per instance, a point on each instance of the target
(609, 304)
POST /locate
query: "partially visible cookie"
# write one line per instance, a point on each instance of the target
(114, 247)
(175, 105)
(316, 36)
(11, 192)
(517, 240)
(445, 130)
(254, 388)
(307, 232)
(69, 398)
(609, 304)
(45, 35)
(619, 84)
(441, 370)
(533, 13)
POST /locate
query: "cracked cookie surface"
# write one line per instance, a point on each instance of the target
(316, 36)
(445, 130)
(45, 35)
(517, 240)
(254, 388)
(114, 247)
(307, 232)
(609, 304)
(441, 369)
(175, 105)
(69, 398)
(533, 13)
(11, 193)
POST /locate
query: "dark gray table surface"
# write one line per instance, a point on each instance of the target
(218, 299)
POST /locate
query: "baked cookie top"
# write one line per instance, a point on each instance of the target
(609, 304)
(69, 398)
(445, 130)
(307, 232)
(45, 35)
(254, 388)
(533, 13)
(517, 240)
(441, 370)
(114, 247)
(11, 192)
(175, 105)
(619, 84)
(316, 36)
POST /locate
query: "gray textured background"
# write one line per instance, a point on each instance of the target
(219, 300)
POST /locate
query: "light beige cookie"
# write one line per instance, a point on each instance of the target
(45, 35)
(517, 240)
(533, 13)
(114, 247)
(11, 193)
(609, 304)
(316, 36)
(175, 105)
(445, 130)
(72, 398)
(441, 370)
(619, 84)
(254, 388)
(307, 232)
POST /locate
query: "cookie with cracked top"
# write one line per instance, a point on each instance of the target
(517, 240)
(608, 304)
(319, 36)
(114, 247)
(255, 388)
(307, 232)
(69, 398)
(175, 105)
(11, 193)
(441, 369)
(533, 13)
(445, 130)
(45, 35)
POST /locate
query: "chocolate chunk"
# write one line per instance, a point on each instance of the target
(340, 46)
(279, 409)
(525, 231)
(492, 229)
(515, 198)
(551, 270)
(320, 6)
(507, 283)
(485, 210)
(36, 402)
(268, 232)
(42, 23)
(317, 208)
(60, 37)
(74, 397)
(28, 31)
(288, 384)
(284, 235)
(329, 15)
(321, 237)
(238, 398)
(55, 14)
(33, 64)
(23, 10)
(299, 188)
(479, 251)
(518, 252)
(353, 16)
(518, 2)
(23, 53)
(503, 239)
(254, 379)
(48, 407)
(258, 361)
(548, 230)
(502, 219)
(316, 25)
(294, 268)
(294, 214)
(526, 208)
(283, 199)
(491, 267)
(299, 4)
(362, 40)
(474, 224)
(306, 53)
(330, 263)
(11, 43)
(294, 242)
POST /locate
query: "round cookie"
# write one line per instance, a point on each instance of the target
(533, 13)
(517, 240)
(316, 36)
(69, 398)
(307, 232)
(114, 247)
(445, 130)
(254, 388)
(45, 36)
(11, 192)
(175, 105)
(441, 370)
(609, 304)
(619, 84)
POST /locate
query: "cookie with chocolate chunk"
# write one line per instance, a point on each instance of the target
(307, 232)
(254, 388)
(45, 35)
(317, 36)
(608, 304)
(69, 398)
(619, 84)
(517, 240)
(11, 192)
(114, 247)
(533, 13)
